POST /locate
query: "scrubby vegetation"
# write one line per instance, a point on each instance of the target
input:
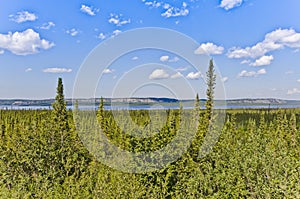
(256, 156)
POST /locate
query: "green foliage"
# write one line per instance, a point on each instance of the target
(211, 83)
(256, 156)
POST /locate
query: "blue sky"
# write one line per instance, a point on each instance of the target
(255, 45)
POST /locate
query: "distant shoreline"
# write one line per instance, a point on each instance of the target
(151, 103)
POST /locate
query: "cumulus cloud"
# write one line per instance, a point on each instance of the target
(245, 62)
(261, 71)
(135, 58)
(118, 20)
(298, 80)
(73, 32)
(164, 58)
(229, 4)
(264, 60)
(89, 10)
(176, 75)
(47, 26)
(28, 70)
(153, 4)
(101, 36)
(274, 40)
(23, 16)
(159, 74)
(194, 75)
(293, 91)
(1, 52)
(245, 73)
(258, 50)
(107, 71)
(209, 48)
(57, 70)
(116, 32)
(171, 11)
(24, 43)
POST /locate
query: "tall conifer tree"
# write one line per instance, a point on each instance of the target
(211, 83)
(60, 108)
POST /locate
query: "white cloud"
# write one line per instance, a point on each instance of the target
(116, 32)
(194, 75)
(176, 75)
(182, 68)
(274, 40)
(159, 74)
(285, 37)
(1, 52)
(148, 3)
(135, 58)
(298, 80)
(153, 4)
(245, 73)
(47, 26)
(113, 20)
(263, 61)
(261, 72)
(164, 58)
(107, 71)
(166, 6)
(73, 32)
(23, 16)
(174, 11)
(224, 79)
(57, 70)
(169, 10)
(229, 4)
(101, 36)
(28, 70)
(245, 62)
(118, 20)
(24, 43)
(293, 91)
(89, 10)
(209, 48)
(258, 50)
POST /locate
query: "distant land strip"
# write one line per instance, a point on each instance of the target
(150, 101)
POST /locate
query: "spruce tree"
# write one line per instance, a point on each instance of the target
(60, 108)
(197, 102)
(100, 113)
(211, 83)
(60, 135)
(196, 112)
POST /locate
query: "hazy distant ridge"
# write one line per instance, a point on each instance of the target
(150, 100)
